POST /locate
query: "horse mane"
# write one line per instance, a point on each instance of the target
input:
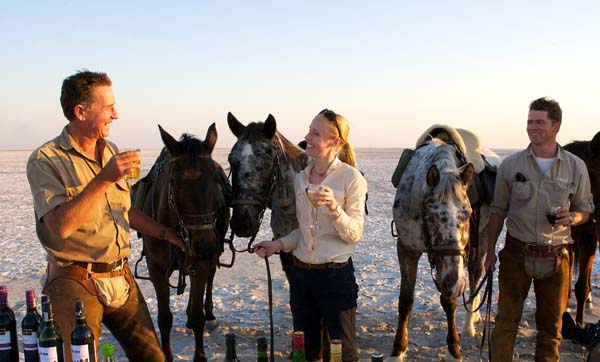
(290, 152)
(578, 148)
(446, 163)
(190, 145)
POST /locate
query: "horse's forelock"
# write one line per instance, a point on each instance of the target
(190, 145)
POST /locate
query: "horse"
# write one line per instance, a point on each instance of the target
(586, 236)
(188, 196)
(432, 213)
(263, 166)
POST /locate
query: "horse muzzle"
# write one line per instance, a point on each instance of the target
(244, 221)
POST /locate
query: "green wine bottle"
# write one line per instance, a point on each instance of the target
(29, 328)
(261, 350)
(50, 341)
(83, 347)
(298, 354)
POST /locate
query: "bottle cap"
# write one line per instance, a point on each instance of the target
(79, 309)
(261, 343)
(3, 295)
(108, 350)
(30, 296)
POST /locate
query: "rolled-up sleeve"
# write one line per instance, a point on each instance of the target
(501, 193)
(46, 186)
(350, 223)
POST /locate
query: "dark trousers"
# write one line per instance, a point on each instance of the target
(131, 324)
(551, 294)
(325, 297)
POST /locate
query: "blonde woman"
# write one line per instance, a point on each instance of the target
(323, 289)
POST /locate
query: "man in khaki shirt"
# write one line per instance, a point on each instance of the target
(83, 214)
(534, 186)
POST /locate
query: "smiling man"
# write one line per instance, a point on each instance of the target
(541, 192)
(83, 214)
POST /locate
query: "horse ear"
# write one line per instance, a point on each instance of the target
(211, 138)
(270, 126)
(595, 145)
(433, 176)
(236, 127)
(467, 173)
(171, 143)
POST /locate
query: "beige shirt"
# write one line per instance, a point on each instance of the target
(57, 172)
(526, 202)
(334, 240)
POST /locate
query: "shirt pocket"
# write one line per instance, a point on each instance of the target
(561, 191)
(521, 191)
(91, 223)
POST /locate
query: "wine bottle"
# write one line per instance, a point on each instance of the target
(83, 346)
(108, 353)
(261, 350)
(45, 300)
(230, 354)
(29, 328)
(335, 350)
(377, 357)
(50, 341)
(298, 354)
(9, 346)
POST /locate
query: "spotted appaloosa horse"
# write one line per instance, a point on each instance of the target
(431, 213)
(586, 236)
(187, 196)
(263, 167)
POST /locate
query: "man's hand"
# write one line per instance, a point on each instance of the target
(119, 165)
(172, 238)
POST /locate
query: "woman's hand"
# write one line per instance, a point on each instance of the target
(327, 198)
(267, 248)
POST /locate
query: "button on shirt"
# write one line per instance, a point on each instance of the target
(524, 195)
(333, 240)
(57, 172)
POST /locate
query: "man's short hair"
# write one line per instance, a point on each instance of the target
(549, 105)
(78, 88)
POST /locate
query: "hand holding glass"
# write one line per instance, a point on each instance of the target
(313, 193)
(134, 172)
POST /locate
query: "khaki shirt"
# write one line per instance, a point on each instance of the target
(334, 240)
(526, 200)
(57, 172)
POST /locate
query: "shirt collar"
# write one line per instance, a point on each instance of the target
(559, 155)
(66, 142)
(336, 163)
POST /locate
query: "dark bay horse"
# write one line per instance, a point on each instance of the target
(431, 213)
(263, 167)
(188, 197)
(586, 236)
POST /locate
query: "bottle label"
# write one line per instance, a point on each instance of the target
(29, 340)
(49, 354)
(4, 340)
(82, 353)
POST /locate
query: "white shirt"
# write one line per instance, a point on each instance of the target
(334, 240)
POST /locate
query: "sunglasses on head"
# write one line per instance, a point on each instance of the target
(332, 117)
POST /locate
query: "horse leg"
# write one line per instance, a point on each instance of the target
(195, 311)
(408, 270)
(208, 300)
(587, 250)
(160, 280)
(452, 338)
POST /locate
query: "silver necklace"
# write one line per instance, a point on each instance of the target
(321, 174)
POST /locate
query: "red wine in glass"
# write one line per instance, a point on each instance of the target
(551, 219)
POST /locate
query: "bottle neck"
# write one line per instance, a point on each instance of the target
(230, 351)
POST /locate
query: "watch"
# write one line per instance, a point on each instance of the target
(336, 212)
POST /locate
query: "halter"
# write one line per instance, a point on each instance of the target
(206, 221)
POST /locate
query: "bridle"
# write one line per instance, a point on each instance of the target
(205, 221)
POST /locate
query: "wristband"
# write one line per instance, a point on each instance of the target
(336, 212)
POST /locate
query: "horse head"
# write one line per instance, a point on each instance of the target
(446, 212)
(254, 166)
(193, 191)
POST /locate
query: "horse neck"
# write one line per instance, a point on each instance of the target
(283, 208)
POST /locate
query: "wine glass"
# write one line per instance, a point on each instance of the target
(313, 196)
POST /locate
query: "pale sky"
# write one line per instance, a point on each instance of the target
(392, 68)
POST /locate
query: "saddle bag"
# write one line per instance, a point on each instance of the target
(405, 158)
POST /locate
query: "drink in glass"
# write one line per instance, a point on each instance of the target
(134, 172)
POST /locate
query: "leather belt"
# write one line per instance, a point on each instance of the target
(101, 267)
(531, 250)
(306, 266)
